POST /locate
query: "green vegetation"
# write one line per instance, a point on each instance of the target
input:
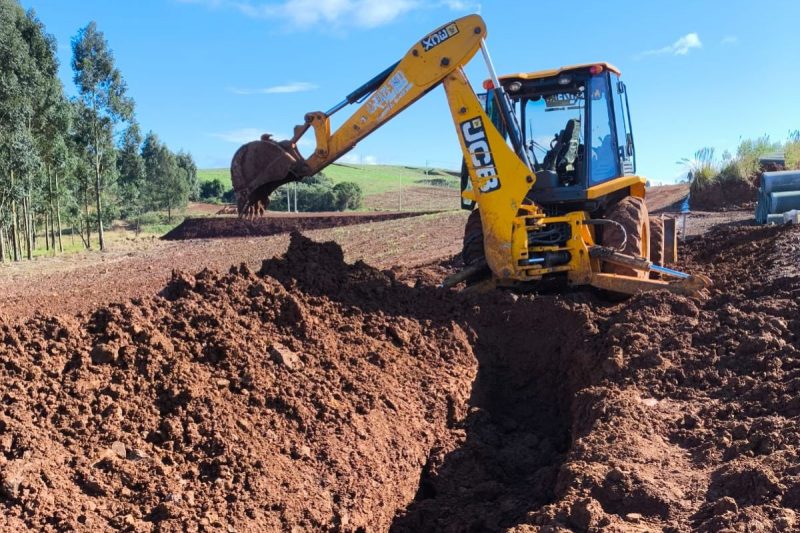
(317, 193)
(223, 175)
(704, 169)
(792, 151)
(73, 165)
(371, 179)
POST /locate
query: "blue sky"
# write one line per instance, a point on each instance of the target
(209, 74)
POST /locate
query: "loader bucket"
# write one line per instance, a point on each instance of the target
(260, 167)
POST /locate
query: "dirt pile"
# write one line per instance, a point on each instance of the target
(317, 395)
(723, 195)
(215, 228)
(227, 402)
(695, 426)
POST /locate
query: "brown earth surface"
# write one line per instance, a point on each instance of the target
(732, 194)
(137, 268)
(274, 224)
(321, 395)
(424, 198)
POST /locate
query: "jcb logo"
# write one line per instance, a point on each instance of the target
(438, 37)
(478, 147)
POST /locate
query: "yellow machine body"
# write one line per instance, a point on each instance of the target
(500, 176)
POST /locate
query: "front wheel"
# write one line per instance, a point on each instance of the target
(631, 214)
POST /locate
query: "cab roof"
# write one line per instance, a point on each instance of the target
(556, 72)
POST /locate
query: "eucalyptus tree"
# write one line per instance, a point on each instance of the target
(130, 167)
(103, 93)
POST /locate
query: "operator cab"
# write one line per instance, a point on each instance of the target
(576, 129)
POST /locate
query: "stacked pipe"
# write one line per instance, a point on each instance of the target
(779, 193)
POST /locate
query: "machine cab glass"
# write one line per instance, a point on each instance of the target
(576, 128)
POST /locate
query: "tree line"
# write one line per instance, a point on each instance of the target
(71, 166)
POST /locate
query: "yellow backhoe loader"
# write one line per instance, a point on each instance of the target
(545, 207)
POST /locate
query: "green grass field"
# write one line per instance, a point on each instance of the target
(373, 179)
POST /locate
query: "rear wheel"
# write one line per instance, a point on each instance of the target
(631, 214)
(656, 243)
(472, 251)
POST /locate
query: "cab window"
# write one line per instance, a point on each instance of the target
(603, 165)
(624, 133)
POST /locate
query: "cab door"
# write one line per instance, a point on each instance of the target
(624, 131)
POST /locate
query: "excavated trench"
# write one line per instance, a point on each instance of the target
(316, 395)
(533, 356)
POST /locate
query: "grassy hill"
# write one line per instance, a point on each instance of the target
(373, 179)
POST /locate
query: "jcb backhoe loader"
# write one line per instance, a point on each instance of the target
(570, 208)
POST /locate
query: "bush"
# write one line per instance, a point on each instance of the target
(702, 169)
(212, 190)
(792, 151)
(731, 171)
(317, 193)
(348, 195)
(229, 197)
(748, 153)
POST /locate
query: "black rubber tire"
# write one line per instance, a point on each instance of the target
(631, 213)
(472, 250)
(656, 243)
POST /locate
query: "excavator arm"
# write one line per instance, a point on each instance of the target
(260, 167)
(500, 177)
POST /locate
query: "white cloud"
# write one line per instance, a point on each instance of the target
(240, 136)
(293, 87)
(354, 158)
(336, 13)
(681, 47)
(729, 39)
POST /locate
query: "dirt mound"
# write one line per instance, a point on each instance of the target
(215, 228)
(722, 195)
(227, 401)
(317, 395)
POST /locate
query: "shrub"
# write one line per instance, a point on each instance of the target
(702, 169)
(731, 171)
(317, 193)
(229, 197)
(749, 151)
(348, 195)
(211, 190)
(792, 151)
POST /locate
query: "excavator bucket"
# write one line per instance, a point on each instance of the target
(260, 167)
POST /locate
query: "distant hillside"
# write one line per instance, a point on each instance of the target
(373, 179)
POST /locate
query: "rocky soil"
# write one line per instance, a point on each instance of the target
(319, 395)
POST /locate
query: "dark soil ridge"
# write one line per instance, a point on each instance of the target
(724, 195)
(219, 227)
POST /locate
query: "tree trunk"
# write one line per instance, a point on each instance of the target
(2, 243)
(97, 190)
(46, 232)
(14, 228)
(27, 227)
(14, 231)
(88, 241)
(50, 236)
(58, 216)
